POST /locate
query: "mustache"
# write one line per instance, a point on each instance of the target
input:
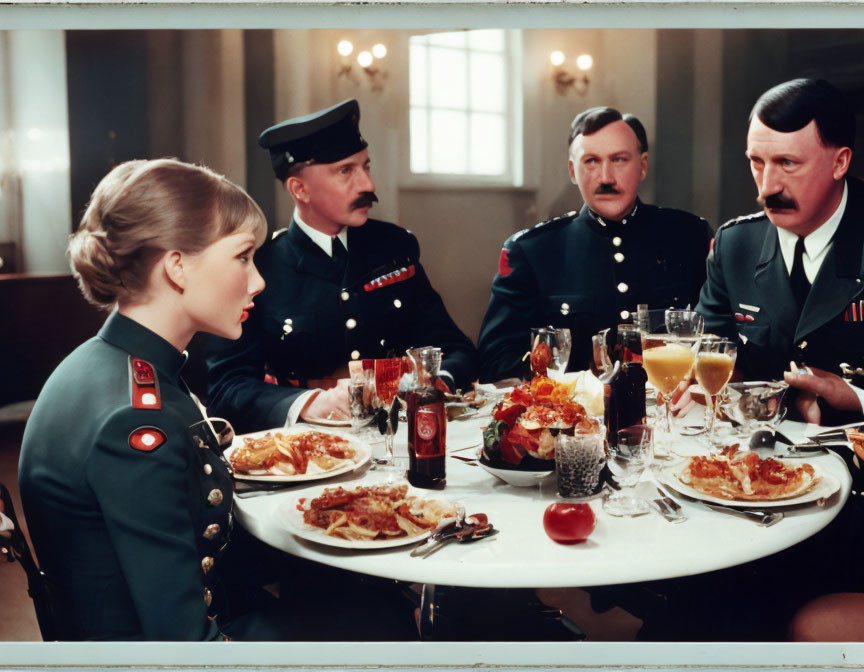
(777, 202)
(606, 189)
(365, 200)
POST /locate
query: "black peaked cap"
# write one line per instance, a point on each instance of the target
(325, 136)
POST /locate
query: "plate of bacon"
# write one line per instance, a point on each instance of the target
(737, 478)
(521, 435)
(367, 517)
(288, 456)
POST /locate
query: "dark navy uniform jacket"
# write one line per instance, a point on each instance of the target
(748, 296)
(127, 513)
(580, 273)
(312, 318)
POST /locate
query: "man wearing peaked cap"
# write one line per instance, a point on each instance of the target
(588, 271)
(340, 287)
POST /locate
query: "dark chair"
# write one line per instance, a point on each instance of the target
(51, 612)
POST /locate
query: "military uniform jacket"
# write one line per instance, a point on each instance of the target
(312, 318)
(126, 512)
(748, 296)
(578, 273)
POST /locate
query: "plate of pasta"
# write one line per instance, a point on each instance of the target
(371, 516)
(289, 455)
(743, 479)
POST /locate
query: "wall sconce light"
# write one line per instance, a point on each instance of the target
(366, 60)
(565, 79)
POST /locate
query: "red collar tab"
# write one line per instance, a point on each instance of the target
(144, 386)
(390, 278)
(147, 439)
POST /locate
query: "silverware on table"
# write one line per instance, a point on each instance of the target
(467, 460)
(474, 528)
(668, 508)
(764, 518)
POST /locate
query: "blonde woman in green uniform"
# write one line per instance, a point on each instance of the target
(126, 499)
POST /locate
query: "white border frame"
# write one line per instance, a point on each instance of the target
(252, 14)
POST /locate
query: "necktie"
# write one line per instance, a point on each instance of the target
(340, 255)
(797, 278)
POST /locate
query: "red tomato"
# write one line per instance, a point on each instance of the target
(569, 523)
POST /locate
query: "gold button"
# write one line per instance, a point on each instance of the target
(618, 257)
(208, 469)
(622, 287)
(208, 597)
(625, 314)
(215, 497)
(350, 323)
(207, 563)
(397, 303)
(355, 354)
(344, 296)
(200, 441)
(565, 308)
(616, 241)
(287, 328)
(211, 531)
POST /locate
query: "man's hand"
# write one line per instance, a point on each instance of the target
(831, 387)
(329, 404)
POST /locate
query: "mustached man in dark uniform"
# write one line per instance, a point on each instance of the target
(341, 287)
(787, 282)
(588, 271)
(127, 501)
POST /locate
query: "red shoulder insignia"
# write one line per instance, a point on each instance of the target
(399, 275)
(504, 268)
(144, 386)
(147, 439)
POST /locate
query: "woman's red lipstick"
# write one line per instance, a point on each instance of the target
(246, 310)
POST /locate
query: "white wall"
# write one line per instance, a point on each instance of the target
(36, 111)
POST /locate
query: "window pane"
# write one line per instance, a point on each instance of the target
(458, 39)
(417, 74)
(488, 88)
(419, 145)
(487, 40)
(447, 78)
(488, 144)
(449, 143)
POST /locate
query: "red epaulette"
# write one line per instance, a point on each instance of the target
(143, 385)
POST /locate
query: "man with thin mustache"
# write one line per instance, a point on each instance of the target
(589, 271)
(786, 282)
(341, 287)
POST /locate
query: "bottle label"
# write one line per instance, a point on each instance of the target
(427, 432)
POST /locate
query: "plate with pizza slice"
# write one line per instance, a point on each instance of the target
(742, 478)
(366, 517)
(295, 455)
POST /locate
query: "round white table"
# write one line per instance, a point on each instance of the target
(620, 550)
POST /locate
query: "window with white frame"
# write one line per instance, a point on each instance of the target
(465, 113)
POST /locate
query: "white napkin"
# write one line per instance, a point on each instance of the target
(588, 391)
(6, 526)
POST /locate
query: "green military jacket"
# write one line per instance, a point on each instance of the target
(127, 502)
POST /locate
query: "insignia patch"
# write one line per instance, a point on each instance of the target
(504, 268)
(147, 439)
(144, 387)
(399, 275)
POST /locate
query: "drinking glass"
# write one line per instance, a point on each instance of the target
(387, 375)
(550, 351)
(668, 361)
(714, 365)
(579, 459)
(627, 460)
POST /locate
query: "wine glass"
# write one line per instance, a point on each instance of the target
(387, 375)
(550, 351)
(627, 460)
(714, 365)
(668, 358)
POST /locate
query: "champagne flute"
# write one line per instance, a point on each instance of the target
(387, 375)
(550, 351)
(714, 365)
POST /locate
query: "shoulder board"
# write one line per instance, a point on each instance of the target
(548, 225)
(143, 385)
(744, 219)
(278, 233)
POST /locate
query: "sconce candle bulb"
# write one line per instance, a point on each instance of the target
(344, 48)
(557, 58)
(584, 62)
(379, 51)
(364, 58)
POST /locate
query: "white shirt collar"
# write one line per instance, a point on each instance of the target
(816, 244)
(322, 240)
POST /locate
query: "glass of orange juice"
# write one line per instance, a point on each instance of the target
(714, 365)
